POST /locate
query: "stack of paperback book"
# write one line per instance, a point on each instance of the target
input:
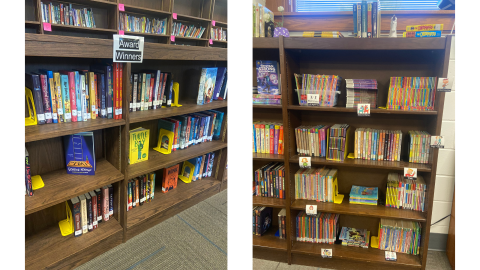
(219, 34)
(374, 144)
(312, 140)
(317, 90)
(213, 85)
(354, 237)
(319, 228)
(412, 93)
(364, 195)
(262, 219)
(191, 31)
(60, 13)
(315, 184)
(269, 181)
(268, 90)
(361, 92)
(322, 34)
(400, 236)
(337, 140)
(143, 24)
(282, 220)
(418, 146)
(268, 138)
(423, 30)
(141, 190)
(367, 19)
(404, 193)
(91, 208)
(151, 90)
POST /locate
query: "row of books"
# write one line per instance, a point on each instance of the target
(400, 236)
(91, 209)
(268, 77)
(423, 30)
(182, 30)
(143, 24)
(219, 34)
(364, 195)
(141, 190)
(374, 144)
(419, 146)
(317, 90)
(268, 138)
(266, 99)
(261, 219)
(404, 193)
(259, 11)
(337, 140)
(361, 91)
(213, 85)
(352, 237)
(367, 19)
(319, 228)
(77, 95)
(412, 93)
(269, 181)
(312, 140)
(315, 184)
(150, 90)
(65, 14)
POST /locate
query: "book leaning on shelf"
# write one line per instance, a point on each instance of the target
(319, 228)
(352, 237)
(213, 85)
(268, 138)
(282, 220)
(259, 10)
(60, 13)
(367, 19)
(269, 181)
(139, 145)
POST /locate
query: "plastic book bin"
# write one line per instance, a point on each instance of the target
(66, 225)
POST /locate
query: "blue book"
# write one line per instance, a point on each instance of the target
(267, 77)
(364, 193)
(207, 85)
(80, 153)
(78, 94)
(219, 82)
(67, 112)
(218, 124)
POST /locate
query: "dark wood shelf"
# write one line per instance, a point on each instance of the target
(267, 157)
(32, 22)
(190, 38)
(354, 110)
(372, 255)
(219, 41)
(95, 3)
(158, 160)
(378, 211)
(186, 108)
(364, 43)
(269, 240)
(374, 164)
(132, 8)
(164, 201)
(265, 106)
(266, 43)
(181, 17)
(48, 248)
(269, 202)
(73, 28)
(144, 34)
(47, 131)
(61, 186)
(220, 24)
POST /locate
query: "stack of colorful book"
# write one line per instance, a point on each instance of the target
(268, 138)
(213, 85)
(374, 144)
(364, 195)
(315, 184)
(182, 30)
(400, 236)
(269, 181)
(423, 30)
(412, 93)
(319, 228)
(404, 193)
(354, 237)
(140, 190)
(337, 140)
(143, 24)
(361, 92)
(63, 13)
(418, 146)
(317, 90)
(312, 140)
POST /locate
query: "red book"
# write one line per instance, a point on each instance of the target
(170, 177)
(94, 209)
(105, 206)
(47, 108)
(120, 90)
(73, 96)
(272, 136)
(150, 95)
(77, 220)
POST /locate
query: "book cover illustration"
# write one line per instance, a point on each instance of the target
(365, 193)
(80, 153)
(170, 177)
(139, 145)
(267, 77)
(209, 85)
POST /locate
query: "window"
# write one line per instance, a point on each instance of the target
(346, 5)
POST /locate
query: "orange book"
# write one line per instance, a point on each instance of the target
(280, 141)
(170, 178)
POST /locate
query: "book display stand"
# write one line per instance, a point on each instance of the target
(379, 59)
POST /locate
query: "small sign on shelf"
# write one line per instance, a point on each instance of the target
(390, 256)
(213, 23)
(127, 49)
(313, 99)
(444, 85)
(410, 173)
(311, 209)
(305, 162)
(363, 109)
(121, 7)
(47, 27)
(172, 38)
(174, 15)
(437, 142)
(327, 253)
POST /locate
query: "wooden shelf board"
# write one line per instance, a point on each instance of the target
(181, 17)
(374, 164)
(186, 108)
(354, 110)
(47, 131)
(158, 160)
(220, 24)
(164, 201)
(269, 240)
(268, 157)
(265, 43)
(32, 22)
(219, 41)
(49, 246)
(372, 255)
(365, 43)
(144, 34)
(346, 208)
(82, 29)
(265, 106)
(132, 8)
(190, 38)
(61, 186)
(269, 202)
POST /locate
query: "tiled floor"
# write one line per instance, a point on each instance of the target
(436, 260)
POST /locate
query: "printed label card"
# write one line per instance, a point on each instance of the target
(327, 253)
(311, 209)
(410, 173)
(444, 85)
(305, 162)
(363, 109)
(437, 141)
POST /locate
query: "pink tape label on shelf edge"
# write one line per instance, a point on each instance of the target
(47, 27)
(213, 23)
(172, 38)
(211, 42)
(174, 15)
(121, 32)
(121, 7)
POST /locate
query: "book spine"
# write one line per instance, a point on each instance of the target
(355, 20)
(98, 192)
(47, 107)
(369, 20)
(110, 202)
(28, 177)
(53, 97)
(136, 191)
(150, 92)
(83, 203)
(73, 97)
(105, 206)
(78, 93)
(90, 214)
(38, 100)
(272, 138)
(96, 80)
(280, 141)
(94, 210)
(58, 92)
(359, 20)
(120, 92)
(92, 96)
(364, 19)
(77, 219)
(374, 19)
(109, 91)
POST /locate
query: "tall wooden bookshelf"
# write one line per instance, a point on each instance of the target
(67, 48)
(350, 58)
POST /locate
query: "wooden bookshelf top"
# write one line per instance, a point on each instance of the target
(365, 43)
(373, 255)
(61, 186)
(164, 201)
(49, 247)
(265, 43)
(157, 160)
(186, 108)
(346, 208)
(265, 106)
(219, 41)
(267, 157)
(269, 240)
(269, 202)
(354, 110)
(32, 22)
(47, 131)
(374, 164)
(220, 24)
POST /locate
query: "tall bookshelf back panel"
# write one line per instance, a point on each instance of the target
(163, 5)
(268, 115)
(220, 11)
(194, 8)
(30, 10)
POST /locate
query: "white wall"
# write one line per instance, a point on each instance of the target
(444, 186)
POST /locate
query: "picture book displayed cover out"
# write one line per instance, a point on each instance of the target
(170, 178)
(139, 145)
(80, 153)
(267, 78)
(206, 87)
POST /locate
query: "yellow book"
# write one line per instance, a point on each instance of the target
(93, 99)
(425, 27)
(139, 145)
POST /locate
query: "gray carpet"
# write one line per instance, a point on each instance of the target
(436, 260)
(193, 239)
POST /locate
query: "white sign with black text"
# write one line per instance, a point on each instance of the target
(127, 49)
